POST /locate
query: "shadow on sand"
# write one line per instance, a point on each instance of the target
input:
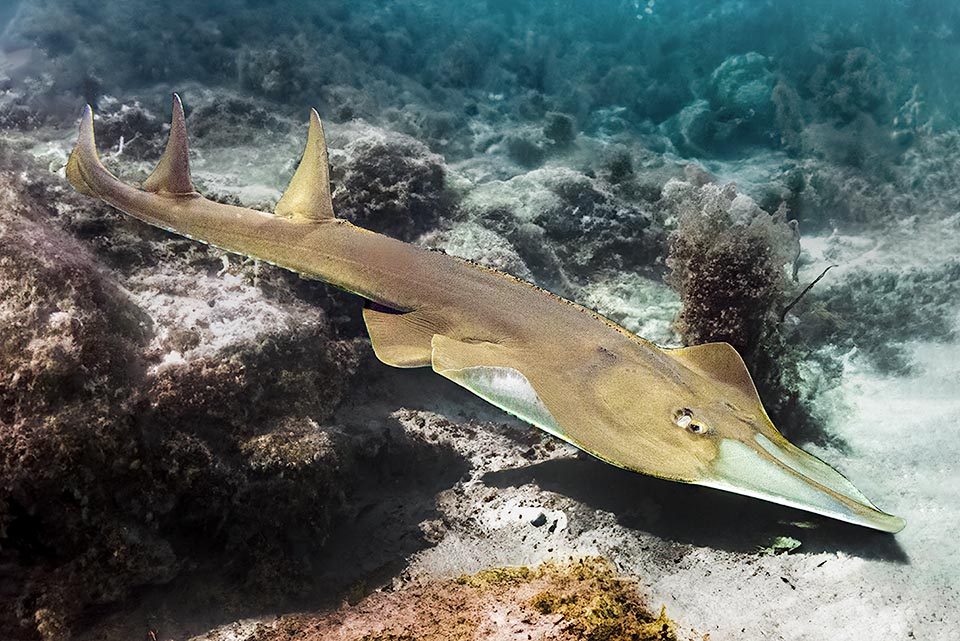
(696, 515)
(671, 511)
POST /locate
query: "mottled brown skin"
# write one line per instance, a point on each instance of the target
(612, 393)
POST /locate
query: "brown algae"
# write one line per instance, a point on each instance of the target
(583, 599)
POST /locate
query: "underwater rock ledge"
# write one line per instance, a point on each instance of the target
(125, 433)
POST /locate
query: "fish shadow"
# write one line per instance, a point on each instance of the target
(693, 514)
(380, 528)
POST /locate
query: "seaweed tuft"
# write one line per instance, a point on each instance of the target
(583, 599)
(731, 261)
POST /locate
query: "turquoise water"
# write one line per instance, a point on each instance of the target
(608, 64)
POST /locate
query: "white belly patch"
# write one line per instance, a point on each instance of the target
(509, 390)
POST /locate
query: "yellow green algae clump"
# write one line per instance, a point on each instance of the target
(594, 603)
(576, 600)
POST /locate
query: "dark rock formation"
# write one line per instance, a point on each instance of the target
(392, 184)
(122, 463)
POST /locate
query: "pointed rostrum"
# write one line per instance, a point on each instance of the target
(308, 195)
(172, 175)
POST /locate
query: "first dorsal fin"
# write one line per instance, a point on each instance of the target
(172, 175)
(308, 195)
(719, 361)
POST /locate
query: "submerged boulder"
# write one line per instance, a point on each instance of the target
(741, 90)
(736, 109)
(146, 427)
(392, 184)
(693, 129)
(851, 83)
(567, 226)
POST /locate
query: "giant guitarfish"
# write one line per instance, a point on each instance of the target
(691, 414)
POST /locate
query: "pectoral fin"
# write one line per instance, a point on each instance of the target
(489, 370)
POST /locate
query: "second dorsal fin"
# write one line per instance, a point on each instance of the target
(308, 195)
(172, 175)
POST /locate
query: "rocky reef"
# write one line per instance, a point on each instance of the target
(126, 433)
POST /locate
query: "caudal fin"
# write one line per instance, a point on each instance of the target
(307, 198)
(84, 161)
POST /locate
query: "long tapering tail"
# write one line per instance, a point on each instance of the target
(302, 236)
(169, 188)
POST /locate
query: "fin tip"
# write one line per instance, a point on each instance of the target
(177, 106)
(86, 120)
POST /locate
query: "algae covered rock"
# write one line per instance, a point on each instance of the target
(575, 600)
(525, 149)
(484, 246)
(618, 234)
(851, 83)
(877, 313)
(741, 91)
(727, 259)
(566, 225)
(392, 184)
(278, 72)
(737, 108)
(731, 262)
(560, 129)
(693, 129)
(129, 452)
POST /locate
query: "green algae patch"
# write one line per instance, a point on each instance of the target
(496, 576)
(581, 599)
(594, 603)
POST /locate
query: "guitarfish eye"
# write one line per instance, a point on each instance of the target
(684, 419)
